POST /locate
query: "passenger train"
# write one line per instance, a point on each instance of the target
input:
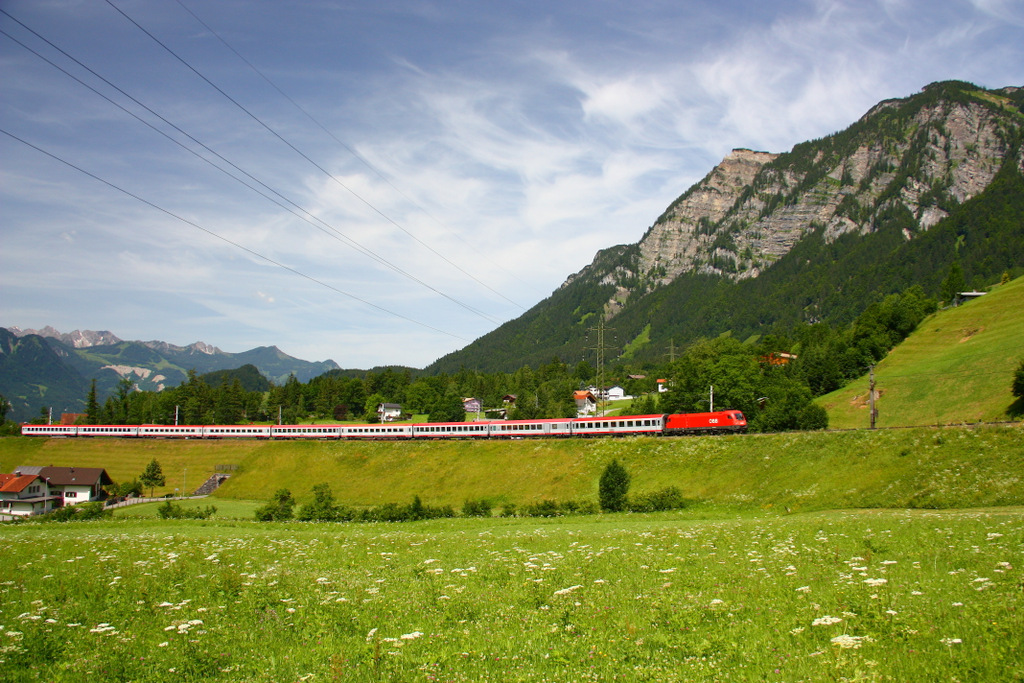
(726, 421)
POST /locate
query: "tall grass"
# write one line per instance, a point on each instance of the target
(883, 595)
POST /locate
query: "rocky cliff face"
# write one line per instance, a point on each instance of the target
(79, 339)
(912, 158)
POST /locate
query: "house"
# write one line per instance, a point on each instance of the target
(508, 399)
(472, 405)
(662, 386)
(71, 485)
(777, 358)
(23, 495)
(388, 412)
(585, 402)
(616, 393)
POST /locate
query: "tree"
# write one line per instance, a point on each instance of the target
(1018, 381)
(152, 476)
(321, 508)
(92, 406)
(448, 409)
(278, 509)
(613, 487)
(953, 284)
(4, 407)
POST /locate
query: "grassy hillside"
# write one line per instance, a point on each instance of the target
(926, 467)
(957, 367)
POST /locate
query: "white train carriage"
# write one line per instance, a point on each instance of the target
(452, 430)
(171, 431)
(629, 425)
(303, 431)
(378, 431)
(236, 432)
(108, 430)
(49, 430)
(516, 429)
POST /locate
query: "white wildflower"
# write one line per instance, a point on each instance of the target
(825, 621)
(850, 642)
(950, 642)
(411, 636)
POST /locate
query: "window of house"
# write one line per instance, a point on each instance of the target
(71, 494)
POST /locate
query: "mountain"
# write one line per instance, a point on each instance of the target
(47, 368)
(770, 240)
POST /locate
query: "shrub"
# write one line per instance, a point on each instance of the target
(171, 510)
(668, 498)
(613, 487)
(80, 512)
(476, 508)
(278, 509)
(544, 508)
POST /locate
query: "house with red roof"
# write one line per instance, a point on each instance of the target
(22, 495)
(33, 490)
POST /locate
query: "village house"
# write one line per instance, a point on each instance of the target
(586, 404)
(22, 495)
(388, 412)
(33, 490)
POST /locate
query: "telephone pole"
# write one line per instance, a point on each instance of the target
(871, 395)
(600, 348)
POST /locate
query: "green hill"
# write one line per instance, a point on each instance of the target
(924, 467)
(956, 367)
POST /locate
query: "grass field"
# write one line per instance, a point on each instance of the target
(956, 367)
(860, 595)
(926, 467)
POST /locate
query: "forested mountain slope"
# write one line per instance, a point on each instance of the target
(917, 190)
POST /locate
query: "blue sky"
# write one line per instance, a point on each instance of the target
(433, 168)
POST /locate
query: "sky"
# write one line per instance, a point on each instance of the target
(381, 183)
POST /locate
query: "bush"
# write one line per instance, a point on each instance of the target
(278, 509)
(80, 512)
(171, 510)
(544, 508)
(476, 508)
(394, 512)
(668, 498)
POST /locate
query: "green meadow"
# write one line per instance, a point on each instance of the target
(957, 367)
(871, 595)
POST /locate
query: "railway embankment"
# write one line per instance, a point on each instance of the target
(949, 467)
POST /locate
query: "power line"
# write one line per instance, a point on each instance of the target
(355, 154)
(226, 240)
(291, 146)
(309, 217)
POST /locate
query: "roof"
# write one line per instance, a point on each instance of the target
(16, 483)
(74, 476)
(582, 395)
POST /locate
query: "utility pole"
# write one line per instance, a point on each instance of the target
(600, 348)
(711, 400)
(871, 395)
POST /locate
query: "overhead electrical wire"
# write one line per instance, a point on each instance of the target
(308, 217)
(361, 159)
(284, 140)
(220, 237)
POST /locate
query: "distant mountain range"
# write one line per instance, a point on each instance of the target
(915, 188)
(47, 369)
